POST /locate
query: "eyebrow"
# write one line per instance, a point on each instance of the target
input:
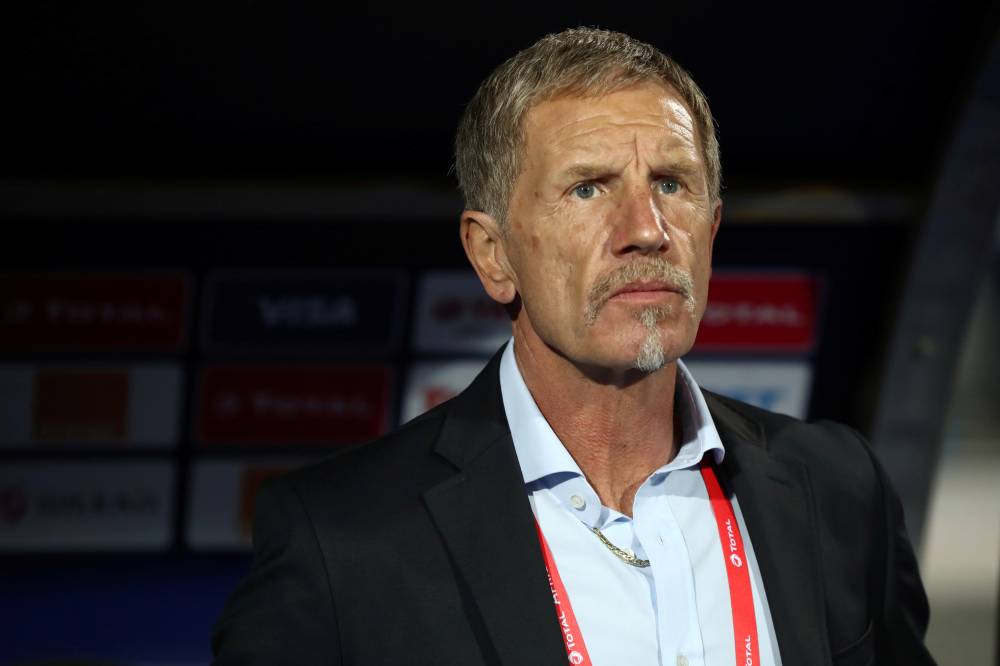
(588, 171)
(682, 167)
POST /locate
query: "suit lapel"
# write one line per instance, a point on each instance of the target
(776, 500)
(485, 520)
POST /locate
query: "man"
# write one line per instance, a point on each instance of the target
(583, 499)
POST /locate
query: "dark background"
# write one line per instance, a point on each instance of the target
(853, 93)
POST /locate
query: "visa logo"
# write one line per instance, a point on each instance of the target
(307, 312)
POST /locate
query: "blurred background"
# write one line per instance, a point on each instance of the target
(230, 247)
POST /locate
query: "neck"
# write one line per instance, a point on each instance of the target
(618, 426)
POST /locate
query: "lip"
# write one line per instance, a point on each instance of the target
(644, 289)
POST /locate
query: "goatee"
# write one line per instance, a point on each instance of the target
(651, 355)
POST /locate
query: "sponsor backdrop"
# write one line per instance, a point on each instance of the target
(142, 411)
(289, 362)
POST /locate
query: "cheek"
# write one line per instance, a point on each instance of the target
(569, 245)
(561, 274)
(561, 249)
(546, 269)
(690, 228)
(678, 217)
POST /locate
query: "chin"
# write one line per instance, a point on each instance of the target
(651, 356)
(656, 349)
(629, 346)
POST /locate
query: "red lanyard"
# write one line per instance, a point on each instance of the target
(737, 569)
(576, 651)
(737, 572)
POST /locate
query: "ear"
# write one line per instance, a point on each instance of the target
(716, 221)
(484, 246)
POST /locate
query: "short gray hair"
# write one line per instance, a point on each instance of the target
(577, 62)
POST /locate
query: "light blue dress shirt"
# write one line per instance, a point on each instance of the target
(676, 611)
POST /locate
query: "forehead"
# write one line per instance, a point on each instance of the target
(649, 112)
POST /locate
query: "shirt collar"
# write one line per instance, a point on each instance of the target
(541, 453)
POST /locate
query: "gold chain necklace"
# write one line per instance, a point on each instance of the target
(626, 556)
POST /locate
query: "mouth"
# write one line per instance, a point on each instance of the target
(644, 290)
(653, 282)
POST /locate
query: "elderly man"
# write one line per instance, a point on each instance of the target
(583, 499)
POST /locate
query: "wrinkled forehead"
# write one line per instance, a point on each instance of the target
(571, 124)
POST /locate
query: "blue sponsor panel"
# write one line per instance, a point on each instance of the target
(779, 386)
(320, 311)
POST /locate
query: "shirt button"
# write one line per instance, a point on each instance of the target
(682, 661)
(578, 502)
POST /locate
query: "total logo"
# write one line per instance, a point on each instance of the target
(104, 312)
(266, 404)
(575, 657)
(734, 557)
(748, 313)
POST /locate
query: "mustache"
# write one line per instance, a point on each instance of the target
(651, 269)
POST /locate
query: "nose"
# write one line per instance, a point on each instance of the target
(640, 227)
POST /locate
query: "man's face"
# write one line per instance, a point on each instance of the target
(611, 227)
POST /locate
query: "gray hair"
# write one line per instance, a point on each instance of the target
(580, 62)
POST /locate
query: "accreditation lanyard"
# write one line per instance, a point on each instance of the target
(737, 572)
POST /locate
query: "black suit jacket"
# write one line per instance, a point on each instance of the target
(420, 548)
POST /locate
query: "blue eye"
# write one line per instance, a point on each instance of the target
(585, 190)
(669, 186)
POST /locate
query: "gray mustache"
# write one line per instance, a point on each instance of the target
(656, 268)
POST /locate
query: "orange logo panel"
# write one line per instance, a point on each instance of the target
(81, 406)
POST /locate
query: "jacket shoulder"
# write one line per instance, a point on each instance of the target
(836, 457)
(785, 435)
